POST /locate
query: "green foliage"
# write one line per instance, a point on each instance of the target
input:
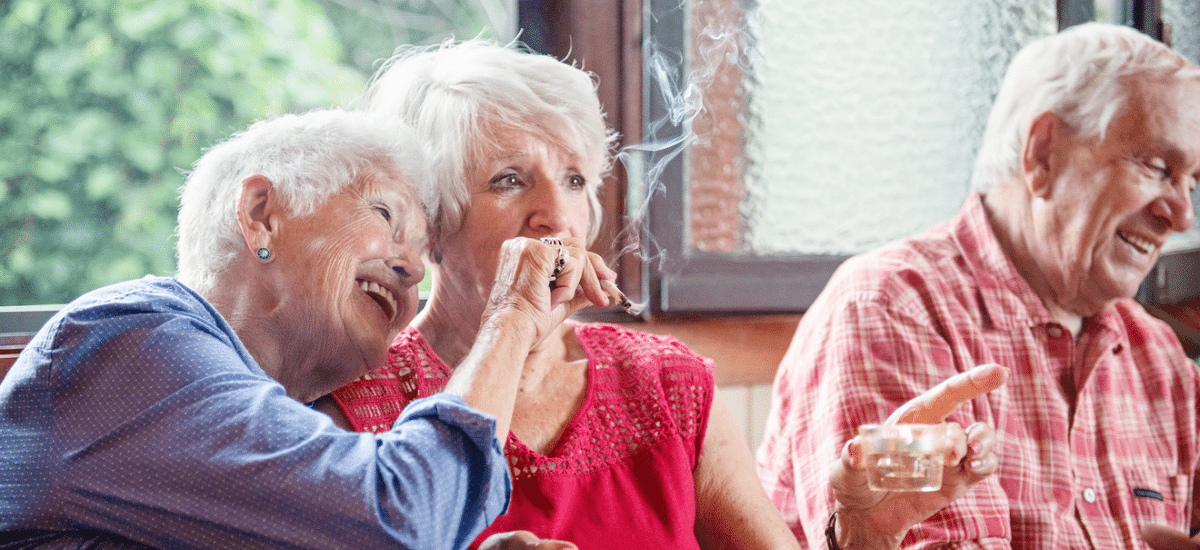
(104, 105)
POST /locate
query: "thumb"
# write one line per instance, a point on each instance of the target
(1160, 537)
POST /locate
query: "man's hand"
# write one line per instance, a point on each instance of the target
(885, 517)
(1160, 537)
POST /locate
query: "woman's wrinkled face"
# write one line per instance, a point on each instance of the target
(527, 185)
(352, 269)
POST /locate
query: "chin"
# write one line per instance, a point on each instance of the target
(341, 378)
(1120, 283)
(1128, 289)
(363, 356)
(372, 360)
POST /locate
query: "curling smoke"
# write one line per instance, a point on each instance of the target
(663, 140)
(678, 83)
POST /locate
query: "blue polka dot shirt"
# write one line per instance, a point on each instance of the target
(137, 411)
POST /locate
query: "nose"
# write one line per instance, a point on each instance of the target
(406, 260)
(411, 271)
(1175, 207)
(550, 214)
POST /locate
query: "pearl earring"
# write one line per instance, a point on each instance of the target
(263, 253)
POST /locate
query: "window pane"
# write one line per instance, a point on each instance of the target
(105, 103)
(1111, 11)
(1182, 19)
(865, 116)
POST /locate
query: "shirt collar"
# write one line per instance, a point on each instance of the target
(1006, 297)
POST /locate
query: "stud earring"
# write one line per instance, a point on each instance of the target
(264, 254)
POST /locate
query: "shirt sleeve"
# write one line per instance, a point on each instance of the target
(852, 363)
(168, 434)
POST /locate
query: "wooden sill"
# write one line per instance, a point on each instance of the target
(747, 350)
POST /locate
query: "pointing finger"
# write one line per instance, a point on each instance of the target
(933, 406)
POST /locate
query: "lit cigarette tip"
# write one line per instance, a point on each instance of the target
(616, 294)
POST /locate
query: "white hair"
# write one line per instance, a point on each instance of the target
(1082, 74)
(451, 93)
(307, 157)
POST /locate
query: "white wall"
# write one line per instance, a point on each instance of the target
(750, 405)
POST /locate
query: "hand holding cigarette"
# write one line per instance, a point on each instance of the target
(610, 288)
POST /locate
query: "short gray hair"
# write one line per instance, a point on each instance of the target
(307, 157)
(449, 92)
(1081, 74)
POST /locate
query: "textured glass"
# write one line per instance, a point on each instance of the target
(717, 163)
(865, 116)
(1109, 11)
(1183, 21)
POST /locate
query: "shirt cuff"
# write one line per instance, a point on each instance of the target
(480, 429)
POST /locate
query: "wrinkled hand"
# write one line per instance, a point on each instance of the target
(523, 276)
(969, 458)
(523, 540)
(1160, 537)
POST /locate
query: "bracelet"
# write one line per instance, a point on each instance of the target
(831, 532)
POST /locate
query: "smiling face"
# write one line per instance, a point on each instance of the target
(1112, 203)
(351, 271)
(523, 186)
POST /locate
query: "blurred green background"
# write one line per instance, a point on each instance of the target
(105, 104)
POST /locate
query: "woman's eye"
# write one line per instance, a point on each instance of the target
(576, 182)
(506, 181)
(387, 214)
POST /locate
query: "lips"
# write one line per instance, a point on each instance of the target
(1141, 244)
(382, 296)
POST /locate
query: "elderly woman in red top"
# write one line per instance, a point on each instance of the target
(618, 438)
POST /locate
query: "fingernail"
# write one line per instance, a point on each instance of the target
(976, 465)
(978, 374)
(976, 447)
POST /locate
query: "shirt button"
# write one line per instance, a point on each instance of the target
(1055, 331)
(1089, 495)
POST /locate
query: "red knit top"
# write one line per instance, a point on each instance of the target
(620, 476)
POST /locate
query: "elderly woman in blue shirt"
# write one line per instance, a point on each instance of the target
(172, 412)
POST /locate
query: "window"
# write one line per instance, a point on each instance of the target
(860, 123)
(827, 129)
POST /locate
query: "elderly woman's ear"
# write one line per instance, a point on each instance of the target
(258, 210)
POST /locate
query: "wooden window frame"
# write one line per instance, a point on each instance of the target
(610, 39)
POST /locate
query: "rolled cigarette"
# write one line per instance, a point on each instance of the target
(616, 294)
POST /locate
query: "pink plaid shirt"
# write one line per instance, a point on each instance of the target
(1082, 474)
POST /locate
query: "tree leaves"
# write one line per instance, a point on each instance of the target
(104, 104)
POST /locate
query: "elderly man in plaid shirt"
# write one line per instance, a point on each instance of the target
(1086, 167)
